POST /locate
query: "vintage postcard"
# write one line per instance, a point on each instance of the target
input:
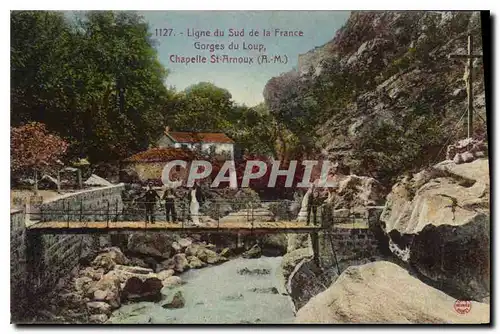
(250, 167)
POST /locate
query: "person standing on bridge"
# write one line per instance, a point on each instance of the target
(150, 200)
(169, 197)
(195, 199)
(312, 206)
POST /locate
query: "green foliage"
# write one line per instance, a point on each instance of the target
(94, 80)
(387, 149)
(203, 107)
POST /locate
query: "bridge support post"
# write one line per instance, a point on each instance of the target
(315, 247)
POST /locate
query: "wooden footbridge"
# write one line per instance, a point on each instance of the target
(250, 220)
(75, 227)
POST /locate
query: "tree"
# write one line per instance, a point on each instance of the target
(202, 107)
(34, 149)
(94, 80)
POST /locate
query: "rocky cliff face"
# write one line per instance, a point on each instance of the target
(384, 91)
(403, 59)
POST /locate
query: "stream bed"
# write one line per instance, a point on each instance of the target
(239, 291)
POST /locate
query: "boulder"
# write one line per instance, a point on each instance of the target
(363, 295)
(292, 259)
(467, 150)
(171, 281)
(107, 289)
(175, 301)
(90, 272)
(178, 263)
(82, 284)
(195, 263)
(226, 252)
(192, 249)
(184, 242)
(100, 295)
(176, 247)
(152, 244)
(137, 290)
(181, 263)
(99, 308)
(208, 256)
(438, 221)
(135, 261)
(209, 246)
(356, 191)
(123, 273)
(274, 244)
(252, 253)
(98, 318)
(108, 258)
(134, 270)
(165, 274)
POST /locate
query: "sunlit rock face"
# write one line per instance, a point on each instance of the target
(438, 221)
(361, 295)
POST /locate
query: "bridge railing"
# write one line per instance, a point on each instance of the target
(248, 211)
(244, 211)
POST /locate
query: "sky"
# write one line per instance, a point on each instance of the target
(244, 81)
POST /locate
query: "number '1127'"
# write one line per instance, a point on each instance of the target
(164, 32)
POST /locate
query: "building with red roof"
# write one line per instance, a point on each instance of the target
(208, 142)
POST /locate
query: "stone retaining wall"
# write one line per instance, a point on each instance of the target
(18, 262)
(39, 261)
(349, 243)
(89, 205)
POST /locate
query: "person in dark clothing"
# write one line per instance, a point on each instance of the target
(312, 207)
(169, 197)
(150, 198)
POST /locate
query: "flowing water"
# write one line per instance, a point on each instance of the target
(220, 295)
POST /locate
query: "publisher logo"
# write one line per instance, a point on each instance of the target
(462, 306)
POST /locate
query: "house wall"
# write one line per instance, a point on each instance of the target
(165, 142)
(220, 148)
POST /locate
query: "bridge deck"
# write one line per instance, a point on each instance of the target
(129, 226)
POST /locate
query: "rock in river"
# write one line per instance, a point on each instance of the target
(137, 290)
(175, 301)
(253, 253)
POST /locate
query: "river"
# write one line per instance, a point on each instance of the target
(220, 295)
